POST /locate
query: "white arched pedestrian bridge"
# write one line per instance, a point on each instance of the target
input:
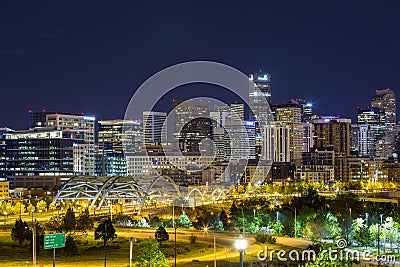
(101, 190)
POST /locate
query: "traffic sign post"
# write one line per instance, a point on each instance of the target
(53, 241)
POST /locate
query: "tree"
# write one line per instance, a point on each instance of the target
(7, 208)
(161, 235)
(184, 221)
(322, 225)
(52, 206)
(143, 223)
(21, 232)
(19, 208)
(70, 246)
(362, 234)
(224, 218)
(150, 255)
(155, 222)
(69, 221)
(84, 222)
(41, 206)
(105, 231)
(31, 208)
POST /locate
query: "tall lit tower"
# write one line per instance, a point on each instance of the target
(260, 100)
(290, 115)
(263, 82)
(385, 100)
(153, 129)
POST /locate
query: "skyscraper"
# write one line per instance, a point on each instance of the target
(260, 101)
(115, 138)
(238, 108)
(373, 130)
(153, 129)
(85, 124)
(240, 139)
(306, 108)
(385, 100)
(333, 132)
(43, 152)
(194, 134)
(290, 115)
(191, 124)
(3, 148)
(263, 82)
(276, 142)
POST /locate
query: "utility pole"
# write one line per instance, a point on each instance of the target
(105, 243)
(215, 252)
(34, 245)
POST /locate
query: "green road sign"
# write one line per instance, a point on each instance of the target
(54, 241)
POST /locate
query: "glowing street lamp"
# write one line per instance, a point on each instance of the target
(241, 245)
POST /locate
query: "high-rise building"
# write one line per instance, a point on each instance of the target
(308, 138)
(3, 163)
(196, 135)
(238, 109)
(306, 109)
(385, 100)
(239, 139)
(191, 124)
(317, 166)
(374, 129)
(263, 82)
(276, 142)
(153, 129)
(354, 136)
(42, 152)
(115, 138)
(260, 101)
(219, 142)
(290, 115)
(85, 124)
(365, 144)
(219, 115)
(37, 118)
(333, 132)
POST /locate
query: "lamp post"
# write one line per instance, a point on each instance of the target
(131, 241)
(384, 234)
(206, 229)
(173, 224)
(34, 245)
(241, 245)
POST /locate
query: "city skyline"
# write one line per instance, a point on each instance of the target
(56, 63)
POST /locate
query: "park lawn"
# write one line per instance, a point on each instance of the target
(90, 252)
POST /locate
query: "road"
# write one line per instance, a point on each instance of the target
(224, 241)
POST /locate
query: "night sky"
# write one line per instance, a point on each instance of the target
(90, 56)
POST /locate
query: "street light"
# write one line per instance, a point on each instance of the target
(131, 241)
(241, 245)
(206, 229)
